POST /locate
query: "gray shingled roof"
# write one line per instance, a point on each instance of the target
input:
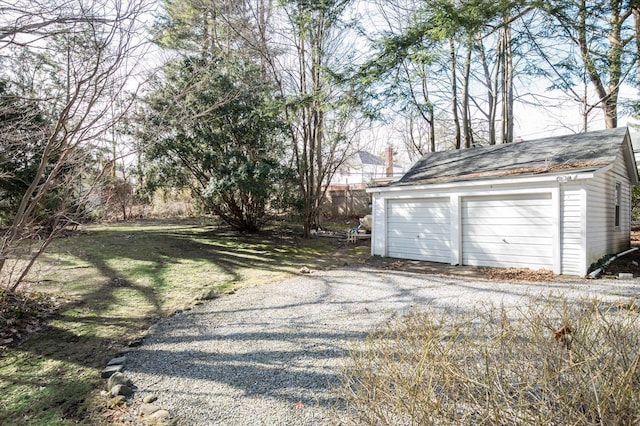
(585, 151)
(369, 158)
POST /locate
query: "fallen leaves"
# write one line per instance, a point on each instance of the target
(564, 335)
(394, 265)
(517, 274)
(22, 314)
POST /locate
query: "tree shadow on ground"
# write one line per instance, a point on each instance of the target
(154, 251)
(96, 321)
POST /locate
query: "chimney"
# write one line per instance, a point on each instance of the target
(388, 160)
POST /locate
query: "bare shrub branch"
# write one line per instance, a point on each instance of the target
(499, 367)
(92, 49)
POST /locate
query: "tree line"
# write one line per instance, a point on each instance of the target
(254, 104)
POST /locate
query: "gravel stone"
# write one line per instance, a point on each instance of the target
(270, 354)
(111, 370)
(148, 409)
(160, 415)
(118, 379)
(121, 360)
(123, 390)
(149, 399)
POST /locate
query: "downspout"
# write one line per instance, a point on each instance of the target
(595, 273)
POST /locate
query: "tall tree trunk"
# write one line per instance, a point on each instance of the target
(507, 84)
(432, 131)
(636, 23)
(608, 96)
(466, 117)
(431, 114)
(454, 94)
(491, 99)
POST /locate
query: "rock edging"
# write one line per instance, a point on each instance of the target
(120, 389)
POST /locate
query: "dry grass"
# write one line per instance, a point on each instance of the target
(493, 367)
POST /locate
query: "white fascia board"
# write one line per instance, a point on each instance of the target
(493, 182)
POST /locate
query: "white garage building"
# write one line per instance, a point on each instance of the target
(557, 203)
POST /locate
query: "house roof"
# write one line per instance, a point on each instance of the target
(369, 158)
(578, 152)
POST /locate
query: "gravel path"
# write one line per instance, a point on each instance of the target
(268, 355)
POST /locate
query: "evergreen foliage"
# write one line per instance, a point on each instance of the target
(213, 126)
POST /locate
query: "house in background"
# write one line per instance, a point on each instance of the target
(557, 203)
(346, 195)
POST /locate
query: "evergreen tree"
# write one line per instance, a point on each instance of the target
(213, 126)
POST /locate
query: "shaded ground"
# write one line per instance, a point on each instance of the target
(23, 313)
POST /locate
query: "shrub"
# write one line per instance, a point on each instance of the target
(541, 365)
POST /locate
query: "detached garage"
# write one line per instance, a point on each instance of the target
(556, 203)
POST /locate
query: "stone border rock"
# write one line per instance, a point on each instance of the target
(119, 388)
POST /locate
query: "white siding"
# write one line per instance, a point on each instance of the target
(603, 237)
(508, 231)
(571, 225)
(419, 229)
(599, 216)
(378, 227)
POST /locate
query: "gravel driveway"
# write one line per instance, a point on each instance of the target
(268, 355)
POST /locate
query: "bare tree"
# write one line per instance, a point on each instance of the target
(604, 34)
(88, 51)
(322, 118)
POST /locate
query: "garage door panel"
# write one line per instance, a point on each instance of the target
(410, 214)
(477, 220)
(423, 228)
(511, 241)
(479, 232)
(430, 257)
(502, 250)
(508, 212)
(425, 249)
(438, 241)
(430, 253)
(422, 221)
(507, 231)
(512, 261)
(419, 229)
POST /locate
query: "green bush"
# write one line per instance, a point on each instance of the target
(499, 367)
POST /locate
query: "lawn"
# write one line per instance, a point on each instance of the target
(111, 282)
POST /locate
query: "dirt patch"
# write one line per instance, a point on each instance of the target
(629, 263)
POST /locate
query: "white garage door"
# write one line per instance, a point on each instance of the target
(513, 231)
(419, 230)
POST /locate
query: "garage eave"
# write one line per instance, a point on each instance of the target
(546, 178)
